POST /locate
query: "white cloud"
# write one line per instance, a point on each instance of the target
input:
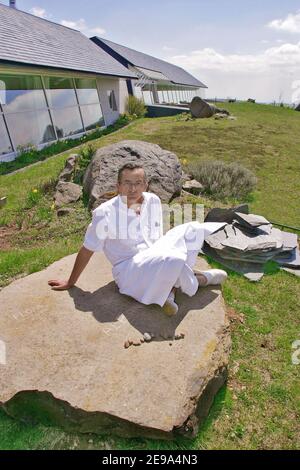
(83, 27)
(37, 11)
(284, 55)
(290, 24)
(264, 76)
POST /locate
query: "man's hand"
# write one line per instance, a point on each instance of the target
(59, 284)
(81, 261)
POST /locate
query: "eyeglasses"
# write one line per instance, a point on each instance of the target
(128, 184)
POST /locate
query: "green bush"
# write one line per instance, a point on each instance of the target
(135, 107)
(86, 154)
(223, 181)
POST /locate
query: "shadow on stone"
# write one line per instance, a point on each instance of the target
(107, 304)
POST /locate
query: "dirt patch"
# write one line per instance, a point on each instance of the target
(6, 235)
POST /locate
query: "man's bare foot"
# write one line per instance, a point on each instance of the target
(170, 307)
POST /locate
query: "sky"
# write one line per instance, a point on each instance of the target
(239, 49)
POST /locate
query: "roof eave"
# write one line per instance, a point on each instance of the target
(57, 67)
(200, 85)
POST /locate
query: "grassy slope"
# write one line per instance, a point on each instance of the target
(260, 407)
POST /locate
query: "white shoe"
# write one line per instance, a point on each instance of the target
(214, 276)
(170, 307)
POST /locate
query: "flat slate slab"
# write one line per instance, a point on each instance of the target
(63, 360)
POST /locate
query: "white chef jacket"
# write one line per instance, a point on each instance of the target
(146, 263)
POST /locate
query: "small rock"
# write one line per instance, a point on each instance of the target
(91, 441)
(66, 193)
(142, 340)
(147, 337)
(68, 171)
(177, 337)
(182, 335)
(3, 201)
(192, 186)
(221, 116)
(130, 342)
(170, 344)
(136, 343)
(126, 344)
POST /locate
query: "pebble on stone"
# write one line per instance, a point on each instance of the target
(147, 337)
(126, 344)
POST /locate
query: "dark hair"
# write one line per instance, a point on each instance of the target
(129, 166)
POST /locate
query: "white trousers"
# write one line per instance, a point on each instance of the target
(150, 275)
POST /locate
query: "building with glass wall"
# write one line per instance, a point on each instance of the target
(54, 83)
(159, 82)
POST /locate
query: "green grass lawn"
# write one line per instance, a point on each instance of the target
(260, 406)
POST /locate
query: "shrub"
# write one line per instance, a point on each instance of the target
(223, 181)
(85, 156)
(135, 107)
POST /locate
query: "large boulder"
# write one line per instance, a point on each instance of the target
(64, 361)
(162, 167)
(202, 109)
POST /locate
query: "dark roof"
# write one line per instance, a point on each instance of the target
(28, 39)
(174, 73)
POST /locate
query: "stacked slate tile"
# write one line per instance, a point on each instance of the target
(248, 241)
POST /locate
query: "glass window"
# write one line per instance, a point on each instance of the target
(92, 116)
(86, 91)
(160, 96)
(21, 93)
(138, 92)
(5, 146)
(112, 100)
(67, 121)
(147, 97)
(169, 96)
(31, 127)
(60, 92)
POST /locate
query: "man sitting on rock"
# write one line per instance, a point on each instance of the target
(147, 265)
